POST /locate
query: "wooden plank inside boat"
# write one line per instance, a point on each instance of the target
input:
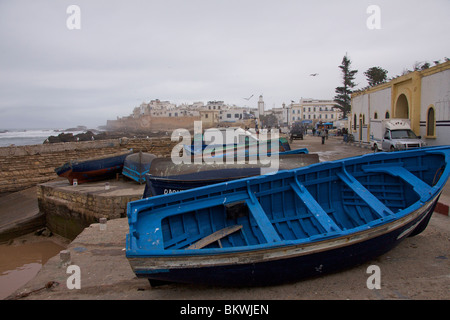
(216, 236)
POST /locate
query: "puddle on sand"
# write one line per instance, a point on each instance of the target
(19, 263)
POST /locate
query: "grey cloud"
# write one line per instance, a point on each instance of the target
(197, 50)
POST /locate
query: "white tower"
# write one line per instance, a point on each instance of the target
(261, 106)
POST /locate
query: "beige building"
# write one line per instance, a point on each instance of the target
(209, 118)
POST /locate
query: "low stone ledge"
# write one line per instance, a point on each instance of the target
(69, 209)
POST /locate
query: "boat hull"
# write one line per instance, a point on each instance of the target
(284, 264)
(297, 223)
(194, 176)
(137, 165)
(244, 148)
(94, 169)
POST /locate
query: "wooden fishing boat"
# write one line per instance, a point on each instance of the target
(246, 147)
(167, 177)
(93, 169)
(283, 227)
(137, 165)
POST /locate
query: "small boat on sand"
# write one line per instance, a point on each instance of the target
(247, 144)
(283, 227)
(137, 165)
(93, 169)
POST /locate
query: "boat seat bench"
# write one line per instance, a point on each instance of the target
(316, 209)
(419, 186)
(372, 201)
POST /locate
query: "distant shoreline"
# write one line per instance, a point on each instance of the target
(26, 137)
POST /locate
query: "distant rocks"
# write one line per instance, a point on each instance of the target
(70, 137)
(93, 134)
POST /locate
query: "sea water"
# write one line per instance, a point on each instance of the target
(23, 137)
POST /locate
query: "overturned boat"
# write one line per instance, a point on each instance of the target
(283, 227)
(93, 169)
(166, 177)
(137, 165)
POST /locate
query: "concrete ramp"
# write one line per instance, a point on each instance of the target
(19, 214)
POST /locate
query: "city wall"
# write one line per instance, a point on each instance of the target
(147, 122)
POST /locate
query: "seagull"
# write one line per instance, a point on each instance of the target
(248, 97)
(314, 74)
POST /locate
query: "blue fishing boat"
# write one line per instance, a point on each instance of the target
(167, 177)
(93, 169)
(283, 227)
(137, 165)
(246, 145)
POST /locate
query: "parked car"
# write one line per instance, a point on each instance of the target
(296, 132)
(393, 135)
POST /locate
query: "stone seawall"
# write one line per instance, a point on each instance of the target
(69, 209)
(22, 167)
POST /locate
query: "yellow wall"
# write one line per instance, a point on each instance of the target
(410, 86)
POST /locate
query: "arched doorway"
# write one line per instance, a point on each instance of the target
(431, 122)
(402, 107)
(361, 122)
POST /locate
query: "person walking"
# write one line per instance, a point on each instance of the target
(323, 135)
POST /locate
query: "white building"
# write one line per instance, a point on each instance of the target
(155, 108)
(232, 114)
(312, 111)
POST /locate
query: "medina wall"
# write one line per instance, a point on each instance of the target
(147, 122)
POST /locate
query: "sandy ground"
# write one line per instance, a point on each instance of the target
(418, 268)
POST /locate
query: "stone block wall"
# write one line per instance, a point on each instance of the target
(22, 167)
(70, 209)
(26, 166)
(158, 146)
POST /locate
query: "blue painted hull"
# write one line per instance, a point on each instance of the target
(93, 169)
(245, 148)
(288, 270)
(284, 227)
(164, 185)
(137, 165)
(157, 185)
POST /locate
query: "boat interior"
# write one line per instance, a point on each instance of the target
(304, 204)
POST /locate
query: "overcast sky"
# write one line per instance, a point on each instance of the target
(127, 52)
